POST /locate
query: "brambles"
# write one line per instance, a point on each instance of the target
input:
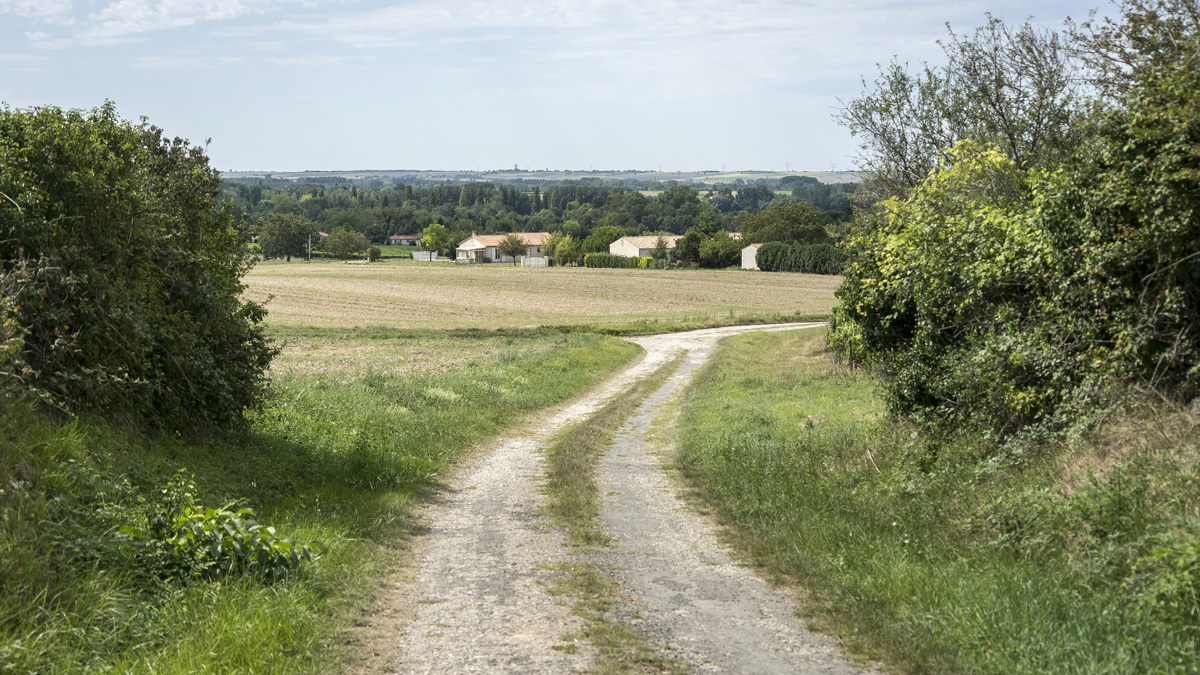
(123, 273)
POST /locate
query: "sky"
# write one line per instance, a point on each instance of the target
(291, 85)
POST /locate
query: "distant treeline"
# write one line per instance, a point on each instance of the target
(572, 207)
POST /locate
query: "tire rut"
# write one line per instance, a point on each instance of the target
(481, 580)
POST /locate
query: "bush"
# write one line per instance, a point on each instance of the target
(609, 260)
(123, 272)
(720, 251)
(809, 258)
(373, 254)
(182, 540)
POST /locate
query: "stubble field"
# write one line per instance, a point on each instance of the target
(423, 296)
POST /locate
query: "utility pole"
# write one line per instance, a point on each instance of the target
(310, 247)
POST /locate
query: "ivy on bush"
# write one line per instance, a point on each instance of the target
(181, 539)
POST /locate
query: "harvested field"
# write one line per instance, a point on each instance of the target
(437, 296)
(341, 359)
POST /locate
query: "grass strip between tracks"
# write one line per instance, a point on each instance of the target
(573, 503)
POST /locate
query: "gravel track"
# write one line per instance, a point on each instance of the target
(480, 585)
(688, 597)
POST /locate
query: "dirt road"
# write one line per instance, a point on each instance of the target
(478, 602)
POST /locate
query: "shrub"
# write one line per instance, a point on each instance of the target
(612, 261)
(373, 254)
(181, 539)
(720, 251)
(809, 258)
(123, 272)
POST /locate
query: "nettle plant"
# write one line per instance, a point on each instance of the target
(181, 539)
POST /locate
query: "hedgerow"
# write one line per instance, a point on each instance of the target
(609, 260)
(1011, 301)
(810, 258)
(122, 273)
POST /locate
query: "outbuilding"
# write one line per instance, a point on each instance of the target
(750, 257)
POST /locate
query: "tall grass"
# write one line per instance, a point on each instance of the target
(958, 558)
(338, 461)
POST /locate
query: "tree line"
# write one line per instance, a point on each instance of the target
(573, 209)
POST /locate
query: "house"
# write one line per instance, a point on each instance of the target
(641, 247)
(750, 257)
(404, 240)
(483, 247)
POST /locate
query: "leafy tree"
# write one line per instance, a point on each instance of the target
(688, 248)
(660, 253)
(1018, 301)
(798, 223)
(283, 235)
(598, 241)
(123, 273)
(679, 196)
(345, 243)
(436, 238)
(511, 246)
(1010, 87)
(720, 251)
(754, 197)
(567, 251)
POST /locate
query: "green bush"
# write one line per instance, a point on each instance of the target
(720, 251)
(809, 258)
(609, 260)
(181, 539)
(123, 272)
(1020, 302)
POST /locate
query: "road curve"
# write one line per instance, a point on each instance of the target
(480, 587)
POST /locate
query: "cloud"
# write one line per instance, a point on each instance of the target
(50, 11)
(762, 39)
(186, 61)
(123, 18)
(20, 58)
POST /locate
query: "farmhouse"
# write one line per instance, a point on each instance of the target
(483, 247)
(640, 247)
(750, 257)
(404, 240)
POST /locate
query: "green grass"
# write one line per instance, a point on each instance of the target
(619, 649)
(572, 461)
(633, 329)
(340, 460)
(1080, 557)
(573, 503)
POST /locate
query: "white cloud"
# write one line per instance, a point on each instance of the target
(762, 39)
(122, 18)
(20, 58)
(186, 61)
(50, 11)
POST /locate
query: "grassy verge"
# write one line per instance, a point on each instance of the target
(340, 460)
(1082, 557)
(573, 503)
